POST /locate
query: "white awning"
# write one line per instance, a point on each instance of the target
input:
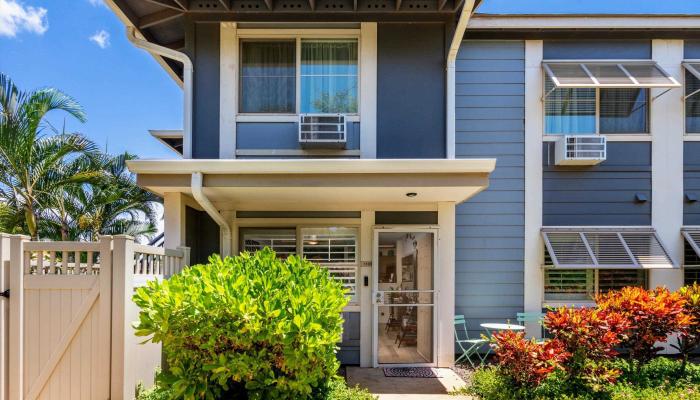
(608, 74)
(692, 236)
(605, 247)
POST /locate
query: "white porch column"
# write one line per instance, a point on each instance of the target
(667, 129)
(174, 220)
(446, 285)
(366, 309)
(534, 248)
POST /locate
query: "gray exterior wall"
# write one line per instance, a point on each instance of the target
(691, 182)
(599, 195)
(596, 49)
(490, 226)
(410, 90)
(203, 46)
(201, 235)
(349, 352)
(283, 135)
(691, 49)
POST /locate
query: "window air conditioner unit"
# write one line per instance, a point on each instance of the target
(322, 130)
(580, 150)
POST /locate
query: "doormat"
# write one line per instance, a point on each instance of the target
(412, 372)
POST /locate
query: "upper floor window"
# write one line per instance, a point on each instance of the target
(589, 97)
(289, 76)
(594, 110)
(692, 100)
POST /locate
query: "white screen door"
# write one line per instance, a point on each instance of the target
(404, 297)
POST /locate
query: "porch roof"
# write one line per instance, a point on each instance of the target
(319, 182)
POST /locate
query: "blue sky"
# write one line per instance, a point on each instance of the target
(125, 92)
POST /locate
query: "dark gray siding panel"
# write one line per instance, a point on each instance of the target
(349, 352)
(410, 90)
(599, 195)
(282, 135)
(490, 226)
(201, 235)
(692, 49)
(597, 49)
(205, 142)
(691, 182)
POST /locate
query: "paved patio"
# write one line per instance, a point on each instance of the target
(374, 380)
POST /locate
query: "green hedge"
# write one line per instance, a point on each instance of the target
(251, 326)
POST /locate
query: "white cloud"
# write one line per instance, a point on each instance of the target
(96, 3)
(101, 38)
(16, 17)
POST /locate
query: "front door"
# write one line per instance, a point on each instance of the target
(404, 298)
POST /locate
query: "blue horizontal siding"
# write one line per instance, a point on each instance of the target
(490, 226)
(596, 49)
(349, 352)
(599, 195)
(282, 136)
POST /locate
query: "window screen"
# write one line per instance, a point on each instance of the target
(624, 110)
(268, 77)
(569, 285)
(569, 111)
(329, 76)
(692, 103)
(616, 279)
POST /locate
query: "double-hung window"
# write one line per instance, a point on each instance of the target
(299, 75)
(607, 97)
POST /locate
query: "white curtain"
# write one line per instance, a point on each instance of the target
(268, 77)
(329, 76)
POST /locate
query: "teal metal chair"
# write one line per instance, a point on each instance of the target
(469, 347)
(525, 317)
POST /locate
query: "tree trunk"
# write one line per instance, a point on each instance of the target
(31, 222)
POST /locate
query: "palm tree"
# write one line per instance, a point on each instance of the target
(28, 158)
(114, 205)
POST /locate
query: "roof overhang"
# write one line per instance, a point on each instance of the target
(164, 22)
(257, 184)
(171, 138)
(553, 22)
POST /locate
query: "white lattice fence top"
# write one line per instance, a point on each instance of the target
(62, 258)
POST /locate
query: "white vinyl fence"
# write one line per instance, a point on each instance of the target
(66, 321)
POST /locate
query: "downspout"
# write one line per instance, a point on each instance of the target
(198, 194)
(464, 16)
(187, 78)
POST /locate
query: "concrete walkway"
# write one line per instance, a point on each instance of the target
(373, 379)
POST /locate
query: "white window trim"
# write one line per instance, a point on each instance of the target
(688, 136)
(298, 35)
(613, 137)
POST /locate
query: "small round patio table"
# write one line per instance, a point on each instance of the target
(490, 327)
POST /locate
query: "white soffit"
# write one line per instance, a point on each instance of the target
(606, 247)
(608, 74)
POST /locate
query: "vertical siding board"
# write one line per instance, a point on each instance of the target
(490, 227)
(599, 195)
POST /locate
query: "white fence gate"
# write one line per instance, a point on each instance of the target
(66, 332)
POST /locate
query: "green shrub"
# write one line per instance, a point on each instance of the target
(336, 389)
(248, 326)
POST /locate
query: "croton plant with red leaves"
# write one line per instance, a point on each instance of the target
(652, 315)
(527, 362)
